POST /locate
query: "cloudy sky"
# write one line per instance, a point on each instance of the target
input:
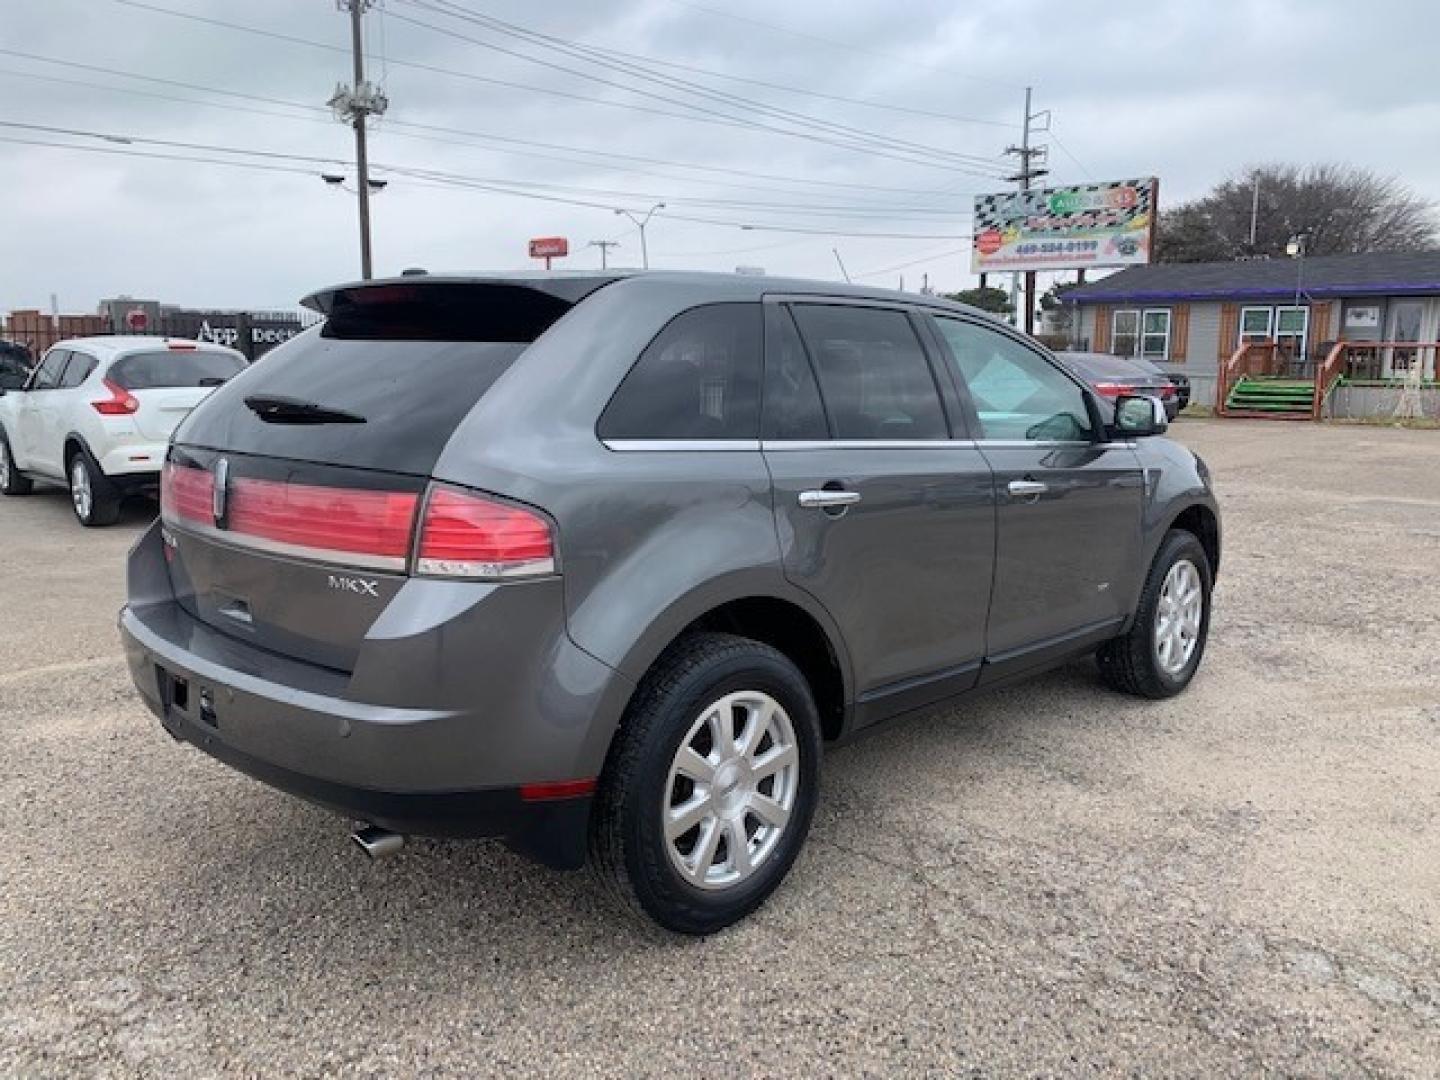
(776, 134)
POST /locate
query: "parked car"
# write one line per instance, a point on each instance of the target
(1110, 376)
(14, 365)
(97, 413)
(598, 564)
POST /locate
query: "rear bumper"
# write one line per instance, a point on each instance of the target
(407, 754)
(137, 462)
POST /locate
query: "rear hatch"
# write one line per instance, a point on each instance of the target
(168, 382)
(293, 494)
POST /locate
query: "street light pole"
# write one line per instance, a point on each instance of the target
(640, 224)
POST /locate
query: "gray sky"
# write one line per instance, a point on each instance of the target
(1189, 91)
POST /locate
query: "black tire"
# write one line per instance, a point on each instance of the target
(105, 497)
(1131, 662)
(629, 851)
(12, 481)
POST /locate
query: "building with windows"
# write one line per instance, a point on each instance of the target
(1384, 309)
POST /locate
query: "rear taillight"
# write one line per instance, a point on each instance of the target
(187, 495)
(370, 528)
(1111, 389)
(120, 402)
(470, 536)
(462, 535)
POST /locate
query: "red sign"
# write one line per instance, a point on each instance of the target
(989, 241)
(549, 247)
(136, 319)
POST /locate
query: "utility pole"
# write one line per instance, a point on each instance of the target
(604, 246)
(1254, 212)
(1028, 156)
(640, 224)
(352, 104)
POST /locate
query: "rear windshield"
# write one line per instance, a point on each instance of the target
(174, 367)
(1104, 367)
(411, 366)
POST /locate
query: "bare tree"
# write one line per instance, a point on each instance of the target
(1339, 209)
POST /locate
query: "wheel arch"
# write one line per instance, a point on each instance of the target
(786, 619)
(1204, 523)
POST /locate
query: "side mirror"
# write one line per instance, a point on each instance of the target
(1137, 416)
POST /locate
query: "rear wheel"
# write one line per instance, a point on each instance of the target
(95, 500)
(1160, 654)
(12, 481)
(711, 784)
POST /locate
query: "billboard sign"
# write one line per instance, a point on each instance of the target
(549, 247)
(1068, 228)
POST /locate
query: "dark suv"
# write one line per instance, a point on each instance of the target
(598, 564)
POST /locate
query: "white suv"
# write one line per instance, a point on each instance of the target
(97, 414)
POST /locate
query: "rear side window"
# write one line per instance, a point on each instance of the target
(873, 372)
(699, 379)
(77, 371)
(47, 375)
(174, 367)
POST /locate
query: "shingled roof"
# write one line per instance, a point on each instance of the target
(1377, 274)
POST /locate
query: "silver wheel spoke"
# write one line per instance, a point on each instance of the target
(703, 856)
(773, 760)
(1179, 615)
(722, 732)
(769, 811)
(689, 763)
(738, 846)
(681, 819)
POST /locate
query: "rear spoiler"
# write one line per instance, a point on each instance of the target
(569, 288)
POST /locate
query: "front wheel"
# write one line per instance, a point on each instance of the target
(1160, 654)
(92, 496)
(710, 786)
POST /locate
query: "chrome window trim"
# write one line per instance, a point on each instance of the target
(864, 444)
(672, 446)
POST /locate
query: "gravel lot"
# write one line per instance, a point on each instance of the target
(1053, 879)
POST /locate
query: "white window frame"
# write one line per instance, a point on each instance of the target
(1164, 353)
(1115, 333)
(1255, 336)
(1304, 334)
(1138, 351)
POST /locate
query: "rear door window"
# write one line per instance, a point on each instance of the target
(699, 379)
(174, 367)
(47, 375)
(77, 371)
(873, 373)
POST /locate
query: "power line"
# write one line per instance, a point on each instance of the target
(832, 43)
(423, 178)
(588, 54)
(1066, 151)
(398, 127)
(703, 116)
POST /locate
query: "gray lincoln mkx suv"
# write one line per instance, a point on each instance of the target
(598, 564)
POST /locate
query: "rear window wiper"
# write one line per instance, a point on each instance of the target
(274, 409)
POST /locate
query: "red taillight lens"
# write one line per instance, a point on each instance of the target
(1111, 389)
(469, 536)
(320, 522)
(120, 402)
(187, 494)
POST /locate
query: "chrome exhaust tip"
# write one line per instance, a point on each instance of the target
(377, 842)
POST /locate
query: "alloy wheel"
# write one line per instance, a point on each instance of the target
(80, 493)
(1178, 617)
(731, 790)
